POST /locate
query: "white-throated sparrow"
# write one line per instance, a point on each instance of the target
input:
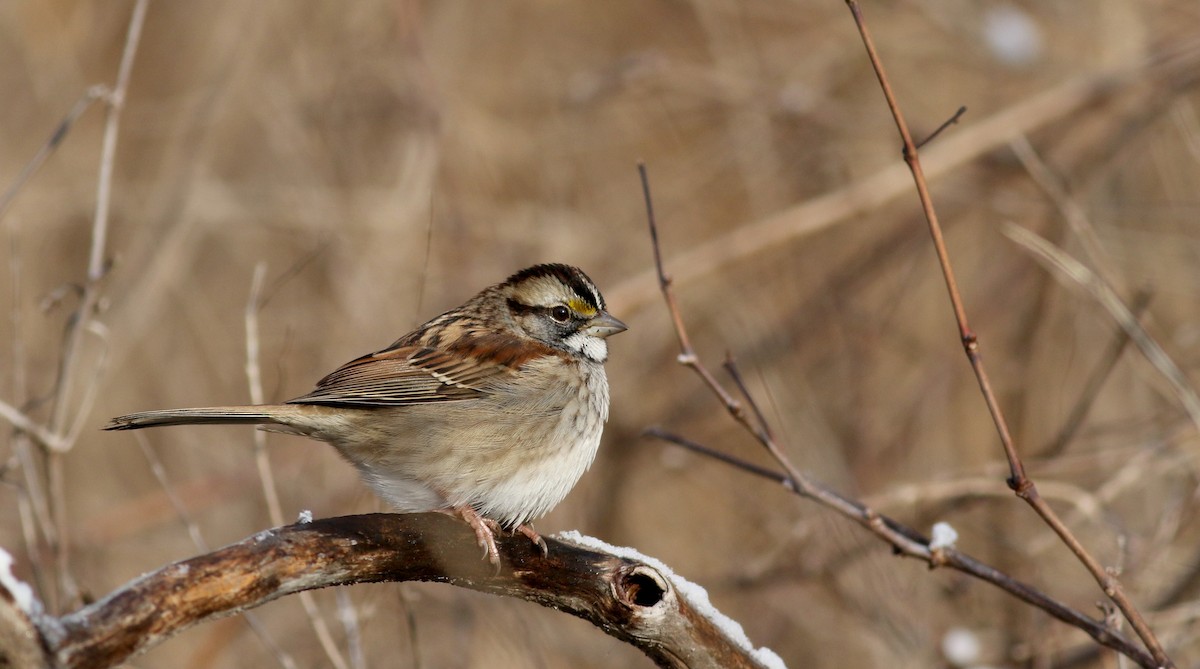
(491, 411)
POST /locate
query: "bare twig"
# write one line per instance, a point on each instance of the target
(33, 506)
(630, 598)
(1072, 213)
(732, 460)
(60, 133)
(97, 266)
(160, 475)
(21, 421)
(254, 381)
(1095, 382)
(1079, 275)
(348, 615)
(1018, 481)
(953, 120)
(903, 539)
(263, 463)
(949, 153)
(410, 625)
(193, 530)
(1099, 630)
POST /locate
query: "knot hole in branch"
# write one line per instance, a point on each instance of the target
(641, 587)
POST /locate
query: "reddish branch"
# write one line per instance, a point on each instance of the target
(1021, 484)
(904, 540)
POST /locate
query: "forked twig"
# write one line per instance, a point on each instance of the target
(1018, 481)
(904, 540)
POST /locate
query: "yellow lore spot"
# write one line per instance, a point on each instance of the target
(580, 307)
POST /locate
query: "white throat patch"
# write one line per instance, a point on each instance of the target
(592, 348)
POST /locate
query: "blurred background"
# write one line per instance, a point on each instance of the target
(385, 159)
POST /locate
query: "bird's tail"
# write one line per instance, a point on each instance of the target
(245, 415)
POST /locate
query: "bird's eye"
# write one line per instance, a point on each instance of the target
(560, 313)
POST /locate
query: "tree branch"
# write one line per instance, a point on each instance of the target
(630, 599)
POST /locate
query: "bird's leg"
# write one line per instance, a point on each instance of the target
(527, 530)
(485, 529)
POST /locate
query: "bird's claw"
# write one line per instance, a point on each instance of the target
(485, 533)
(486, 530)
(528, 531)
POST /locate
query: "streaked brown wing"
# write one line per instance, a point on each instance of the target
(403, 375)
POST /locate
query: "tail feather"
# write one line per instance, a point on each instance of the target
(244, 415)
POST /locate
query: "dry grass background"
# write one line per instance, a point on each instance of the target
(388, 158)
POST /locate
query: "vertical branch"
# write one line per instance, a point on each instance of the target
(969, 341)
(116, 104)
(97, 264)
(263, 463)
(36, 521)
(1018, 481)
(687, 355)
(254, 381)
(36, 515)
(349, 618)
(95, 272)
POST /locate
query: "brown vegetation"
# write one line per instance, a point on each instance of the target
(386, 159)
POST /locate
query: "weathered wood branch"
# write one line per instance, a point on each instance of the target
(627, 598)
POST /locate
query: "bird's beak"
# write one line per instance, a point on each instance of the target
(604, 325)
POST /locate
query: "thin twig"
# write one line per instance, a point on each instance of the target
(88, 398)
(33, 507)
(21, 421)
(1068, 207)
(262, 460)
(254, 382)
(48, 147)
(108, 151)
(1100, 631)
(423, 277)
(953, 120)
(97, 266)
(348, 614)
(734, 373)
(903, 539)
(410, 625)
(687, 355)
(1079, 274)
(160, 475)
(722, 456)
(946, 156)
(193, 529)
(1096, 381)
(1020, 483)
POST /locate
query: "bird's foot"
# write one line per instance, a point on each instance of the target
(485, 532)
(527, 530)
